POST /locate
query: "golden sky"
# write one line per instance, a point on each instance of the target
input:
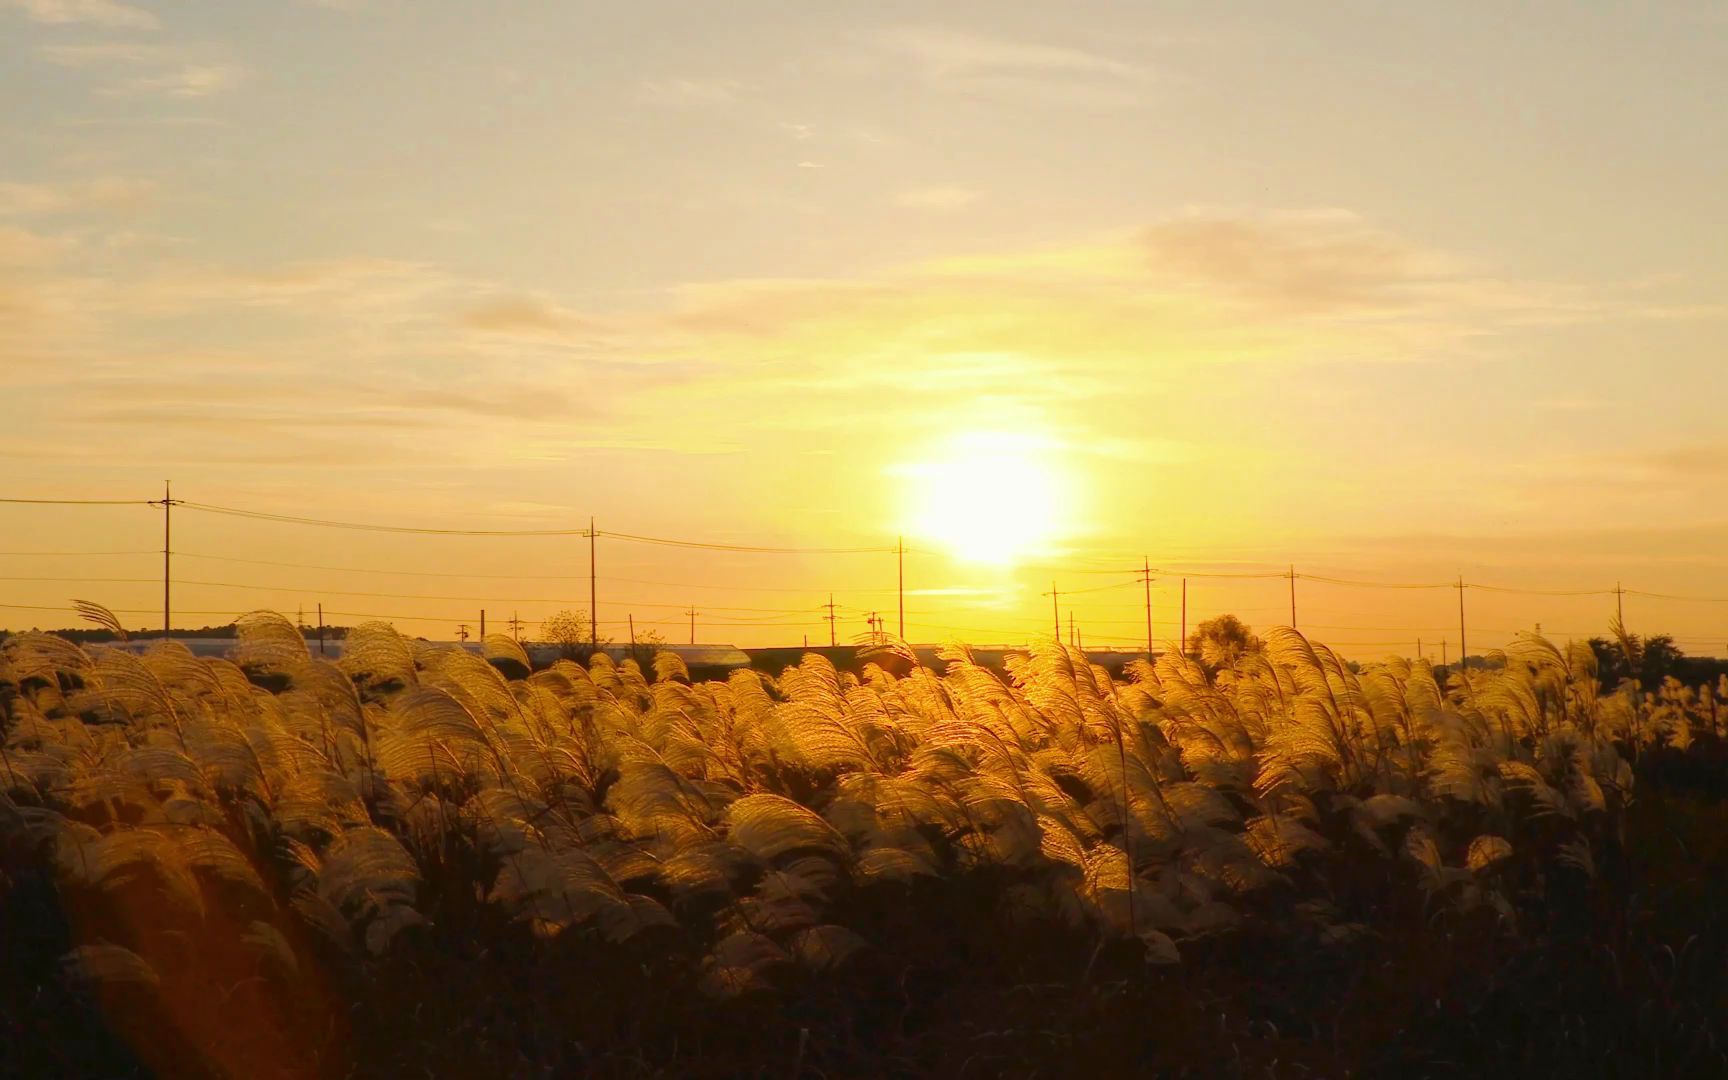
(1387, 292)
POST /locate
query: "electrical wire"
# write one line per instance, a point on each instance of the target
(80, 502)
(291, 519)
(752, 549)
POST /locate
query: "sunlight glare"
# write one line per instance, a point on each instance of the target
(987, 497)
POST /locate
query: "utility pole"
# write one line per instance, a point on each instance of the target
(482, 624)
(1070, 627)
(692, 613)
(167, 504)
(1463, 642)
(1055, 612)
(1184, 616)
(321, 628)
(901, 552)
(1418, 650)
(1146, 580)
(1292, 596)
(632, 618)
(1445, 662)
(833, 640)
(462, 632)
(593, 603)
(515, 627)
(1619, 604)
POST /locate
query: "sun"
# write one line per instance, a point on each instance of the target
(987, 497)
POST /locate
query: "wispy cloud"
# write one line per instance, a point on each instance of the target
(76, 196)
(22, 247)
(183, 81)
(989, 66)
(689, 93)
(107, 14)
(941, 197)
(526, 316)
(104, 53)
(172, 71)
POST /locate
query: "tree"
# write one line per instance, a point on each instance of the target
(1627, 656)
(647, 643)
(1222, 641)
(571, 632)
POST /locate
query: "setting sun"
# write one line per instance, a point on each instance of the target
(990, 497)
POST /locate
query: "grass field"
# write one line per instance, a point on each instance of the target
(412, 863)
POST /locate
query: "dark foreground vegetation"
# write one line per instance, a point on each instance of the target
(1253, 863)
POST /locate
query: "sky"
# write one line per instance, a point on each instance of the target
(1382, 292)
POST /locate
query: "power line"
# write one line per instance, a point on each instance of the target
(72, 554)
(291, 519)
(1533, 592)
(809, 591)
(327, 523)
(747, 548)
(79, 502)
(1374, 584)
(1684, 599)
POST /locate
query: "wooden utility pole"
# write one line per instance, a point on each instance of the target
(1619, 604)
(1146, 580)
(482, 624)
(901, 556)
(1292, 596)
(692, 613)
(593, 602)
(833, 639)
(515, 627)
(321, 629)
(462, 632)
(167, 505)
(1055, 613)
(1070, 626)
(632, 618)
(1463, 642)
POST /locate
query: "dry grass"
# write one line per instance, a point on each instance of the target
(243, 860)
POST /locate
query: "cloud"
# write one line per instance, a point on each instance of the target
(991, 66)
(1699, 461)
(174, 72)
(689, 93)
(1324, 260)
(77, 196)
(952, 54)
(107, 14)
(1080, 340)
(526, 316)
(354, 284)
(21, 247)
(945, 197)
(102, 53)
(183, 81)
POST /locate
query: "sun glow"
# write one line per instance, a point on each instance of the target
(989, 497)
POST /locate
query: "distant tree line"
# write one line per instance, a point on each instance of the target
(102, 635)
